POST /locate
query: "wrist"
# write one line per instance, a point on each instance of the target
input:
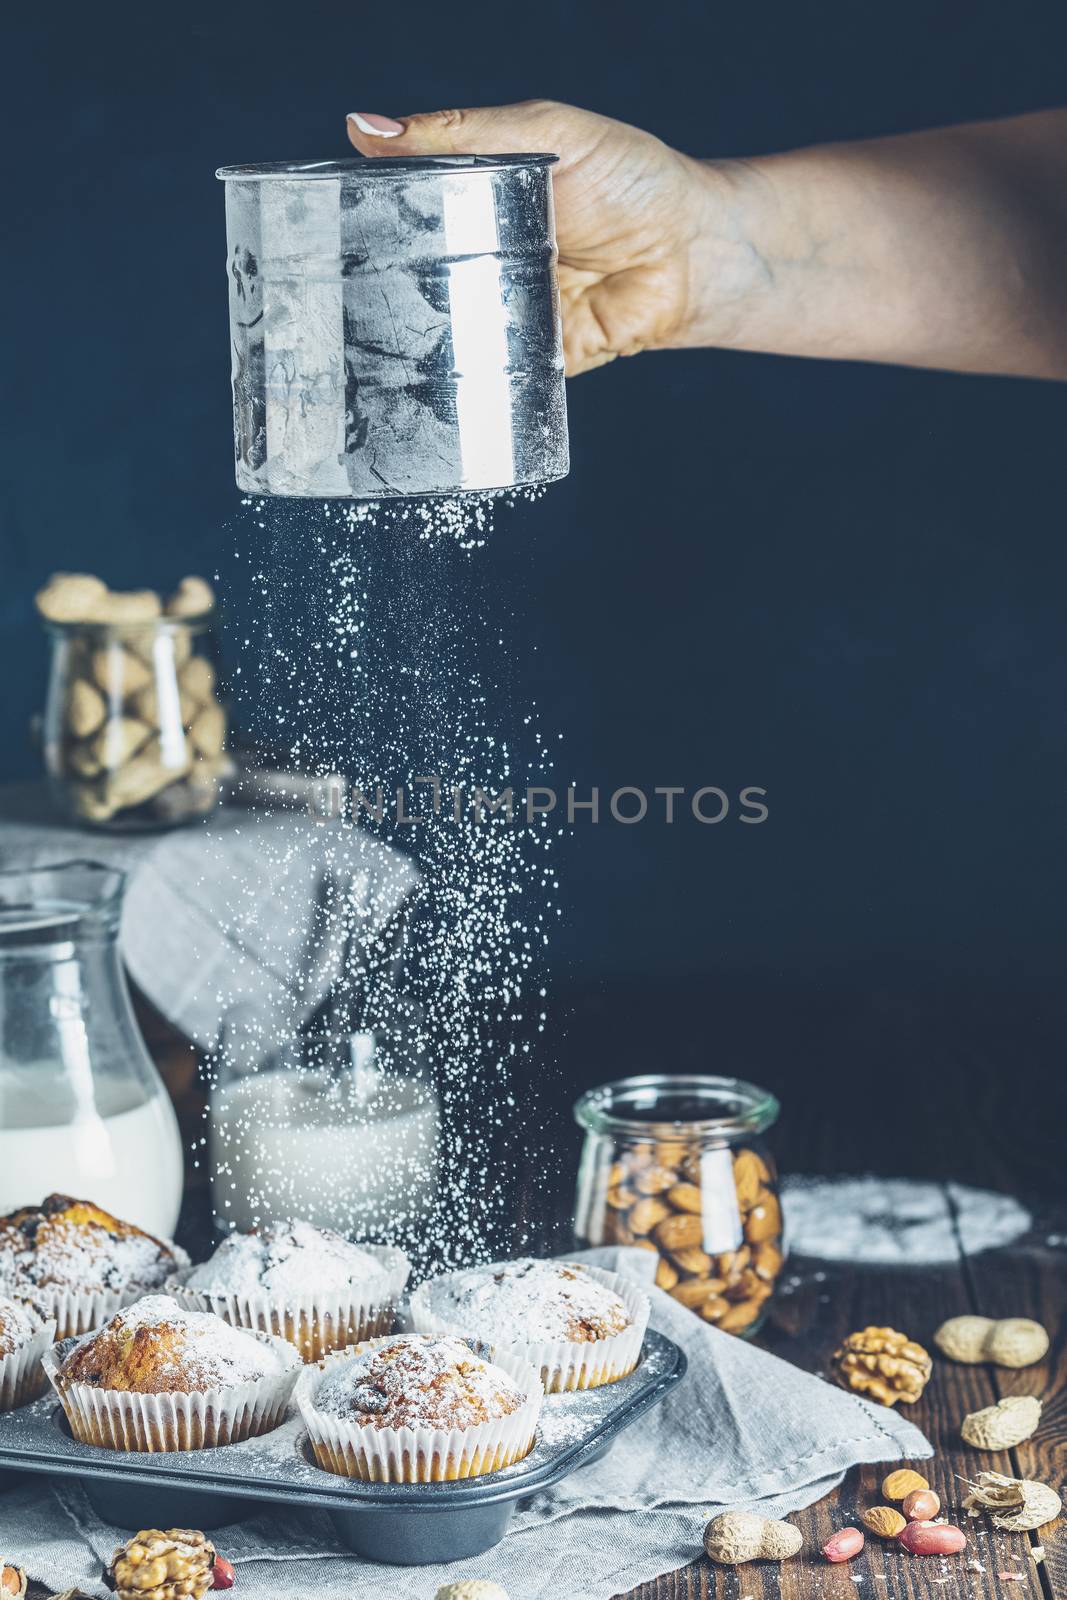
(728, 273)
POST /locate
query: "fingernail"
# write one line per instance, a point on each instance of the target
(378, 127)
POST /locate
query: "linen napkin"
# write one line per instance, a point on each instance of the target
(225, 920)
(743, 1429)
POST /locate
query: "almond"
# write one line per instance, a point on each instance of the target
(685, 1197)
(692, 1292)
(666, 1274)
(714, 1308)
(768, 1260)
(647, 1213)
(885, 1521)
(764, 1221)
(740, 1316)
(679, 1232)
(899, 1484)
(694, 1260)
(655, 1180)
(749, 1176)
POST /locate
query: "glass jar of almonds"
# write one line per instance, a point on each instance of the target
(679, 1166)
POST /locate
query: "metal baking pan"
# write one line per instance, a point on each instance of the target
(404, 1523)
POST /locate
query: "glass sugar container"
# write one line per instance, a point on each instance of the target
(678, 1165)
(134, 728)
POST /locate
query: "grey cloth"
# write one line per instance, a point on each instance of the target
(743, 1429)
(228, 919)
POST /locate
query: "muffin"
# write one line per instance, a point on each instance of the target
(410, 1409)
(580, 1327)
(160, 1377)
(307, 1284)
(76, 1264)
(24, 1338)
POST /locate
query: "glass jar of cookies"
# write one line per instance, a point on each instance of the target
(134, 730)
(678, 1165)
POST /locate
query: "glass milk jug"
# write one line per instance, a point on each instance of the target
(82, 1109)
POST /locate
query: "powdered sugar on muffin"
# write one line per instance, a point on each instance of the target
(417, 1382)
(75, 1245)
(155, 1346)
(285, 1258)
(18, 1324)
(528, 1301)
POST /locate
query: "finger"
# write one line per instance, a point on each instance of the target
(536, 125)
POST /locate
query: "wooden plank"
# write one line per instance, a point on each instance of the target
(1031, 1280)
(807, 1325)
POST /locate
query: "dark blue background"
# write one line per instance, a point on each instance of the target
(842, 583)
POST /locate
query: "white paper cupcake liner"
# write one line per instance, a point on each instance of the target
(419, 1455)
(22, 1376)
(316, 1324)
(76, 1311)
(564, 1364)
(117, 1420)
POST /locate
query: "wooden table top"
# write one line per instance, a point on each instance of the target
(1029, 1279)
(939, 1090)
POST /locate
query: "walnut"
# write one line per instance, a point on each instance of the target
(157, 1565)
(883, 1363)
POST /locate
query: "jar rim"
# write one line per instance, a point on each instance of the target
(72, 894)
(385, 167)
(604, 1109)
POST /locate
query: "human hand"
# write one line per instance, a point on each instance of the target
(627, 214)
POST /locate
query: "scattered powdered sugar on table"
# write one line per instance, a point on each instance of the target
(373, 655)
(896, 1221)
(417, 1382)
(528, 1301)
(201, 1348)
(295, 1258)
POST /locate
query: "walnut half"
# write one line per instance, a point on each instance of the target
(884, 1364)
(157, 1565)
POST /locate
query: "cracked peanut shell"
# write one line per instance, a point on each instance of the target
(1017, 1504)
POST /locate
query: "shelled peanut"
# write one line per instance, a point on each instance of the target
(138, 719)
(655, 1200)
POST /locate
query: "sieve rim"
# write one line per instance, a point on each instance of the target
(385, 166)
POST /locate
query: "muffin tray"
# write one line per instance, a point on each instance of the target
(404, 1523)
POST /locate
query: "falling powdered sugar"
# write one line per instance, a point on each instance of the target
(374, 670)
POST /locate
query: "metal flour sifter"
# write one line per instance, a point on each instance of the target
(395, 326)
